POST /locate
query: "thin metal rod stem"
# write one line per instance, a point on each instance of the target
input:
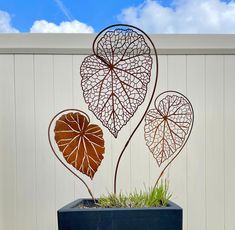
(49, 138)
(142, 118)
(164, 169)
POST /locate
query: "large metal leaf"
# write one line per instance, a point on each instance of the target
(114, 80)
(168, 126)
(81, 143)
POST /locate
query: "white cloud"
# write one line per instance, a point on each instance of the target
(185, 16)
(43, 26)
(5, 23)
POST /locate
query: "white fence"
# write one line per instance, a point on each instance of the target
(39, 76)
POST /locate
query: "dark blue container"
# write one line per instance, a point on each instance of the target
(72, 217)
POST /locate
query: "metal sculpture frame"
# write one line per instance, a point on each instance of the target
(100, 66)
(173, 130)
(56, 155)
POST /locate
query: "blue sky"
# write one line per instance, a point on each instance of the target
(154, 16)
(92, 12)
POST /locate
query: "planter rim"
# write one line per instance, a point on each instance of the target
(72, 207)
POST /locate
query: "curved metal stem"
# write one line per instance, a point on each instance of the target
(162, 172)
(49, 139)
(164, 169)
(150, 101)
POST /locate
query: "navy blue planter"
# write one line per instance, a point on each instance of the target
(71, 217)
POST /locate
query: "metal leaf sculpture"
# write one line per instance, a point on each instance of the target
(114, 83)
(168, 126)
(115, 77)
(80, 142)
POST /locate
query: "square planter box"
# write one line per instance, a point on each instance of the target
(72, 217)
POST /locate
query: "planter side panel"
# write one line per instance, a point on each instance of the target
(145, 219)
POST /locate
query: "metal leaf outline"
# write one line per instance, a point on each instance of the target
(81, 143)
(168, 126)
(115, 79)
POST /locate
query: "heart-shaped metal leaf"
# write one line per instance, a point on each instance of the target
(81, 143)
(114, 80)
(168, 126)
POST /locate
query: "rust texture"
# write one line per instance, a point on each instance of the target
(115, 77)
(81, 143)
(115, 80)
(168, 125)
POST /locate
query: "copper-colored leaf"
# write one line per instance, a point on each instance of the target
(81, 143)
(168, 126)
(114, 80)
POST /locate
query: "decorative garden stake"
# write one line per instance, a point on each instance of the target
(168, 127)
(115, 80)
(80, 142)
(115, 77)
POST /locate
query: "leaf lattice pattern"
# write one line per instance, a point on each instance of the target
(115, 79)
(81, 143)
(167, 126)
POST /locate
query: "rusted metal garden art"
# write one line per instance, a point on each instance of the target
(115, 80)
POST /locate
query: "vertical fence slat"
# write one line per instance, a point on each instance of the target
(123, 178)
(139, 156)
(102, 182)
(178, 169)
(196, 144)
(45, 160)
(25, 142)
(79, 103)
(154, 170)
(63, 98)
(214, 143)
(229, 127)
(7, 144)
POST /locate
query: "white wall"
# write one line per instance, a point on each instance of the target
(37, 81)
